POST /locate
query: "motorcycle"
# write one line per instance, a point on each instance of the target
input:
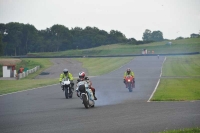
(86, 94)
(65, 84)
(130, 83)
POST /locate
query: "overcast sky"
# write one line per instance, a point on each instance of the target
(173, 18)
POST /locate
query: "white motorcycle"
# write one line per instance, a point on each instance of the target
(65, 84)
(85, 94)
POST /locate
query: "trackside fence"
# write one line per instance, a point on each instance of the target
(24, 74)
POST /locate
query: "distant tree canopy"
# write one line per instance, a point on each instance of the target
(1, 45)
(179, 38)
(193, 35)
(20, 39)
(152, 36)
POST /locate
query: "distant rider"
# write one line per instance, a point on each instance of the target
(128, 72)
(83, 78)
(67, 74)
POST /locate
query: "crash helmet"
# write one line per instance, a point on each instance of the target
(128, 70)
(65, 71)
(81, 75)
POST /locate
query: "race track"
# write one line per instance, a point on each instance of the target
(46, 110)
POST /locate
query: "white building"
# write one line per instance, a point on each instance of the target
(9, 71)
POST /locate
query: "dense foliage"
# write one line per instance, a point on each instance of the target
(152, 36)
(20, 39)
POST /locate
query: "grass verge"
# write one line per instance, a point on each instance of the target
(178, 90)
(8, 86)
(180, 80)
(185, 130)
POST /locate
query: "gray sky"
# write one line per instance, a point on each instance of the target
(173, 18)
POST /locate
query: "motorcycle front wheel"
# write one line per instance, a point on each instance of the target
(85, 101)
(66, 92)
(129, 87)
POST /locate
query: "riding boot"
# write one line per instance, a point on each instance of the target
(95, 98)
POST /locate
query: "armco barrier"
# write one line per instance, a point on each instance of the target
(24, 74)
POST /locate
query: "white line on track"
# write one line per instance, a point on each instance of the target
(157, 82)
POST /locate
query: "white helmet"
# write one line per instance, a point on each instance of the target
(65, 70)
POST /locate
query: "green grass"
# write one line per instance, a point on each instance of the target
(8, 86)
(99, 66)
(30, 63)
(185, 130)
(182, 66)
(180, 80)
(178, 46)
(178, 90)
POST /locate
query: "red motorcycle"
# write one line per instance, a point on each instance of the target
(130, 83)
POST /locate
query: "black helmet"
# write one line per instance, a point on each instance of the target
(128, 70)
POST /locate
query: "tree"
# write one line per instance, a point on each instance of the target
(147, 35)
(2, 28)
(13, 38)
(179, 38)
(157, 36)
(132, 41)
(152, 36)
(116, 37)
(1, 45)
(60, 36)
(29, 38)
(20, 39)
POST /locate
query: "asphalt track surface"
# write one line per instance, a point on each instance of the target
(45, 110)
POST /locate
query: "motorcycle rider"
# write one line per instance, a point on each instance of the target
(82, 77)
(67, 74)
(128, 72)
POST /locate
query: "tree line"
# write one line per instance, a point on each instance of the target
(20, 39)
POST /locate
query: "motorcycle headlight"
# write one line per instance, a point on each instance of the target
(129, 80)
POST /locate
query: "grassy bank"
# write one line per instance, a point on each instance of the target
(180, 80)
(178, 46)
